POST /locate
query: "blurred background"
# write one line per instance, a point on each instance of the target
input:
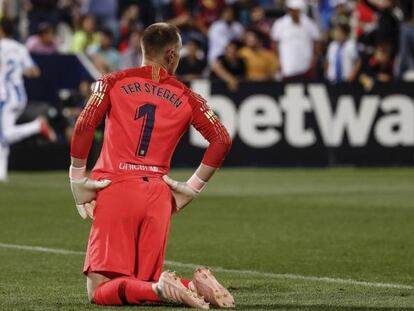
(298, 83)
(321, 90)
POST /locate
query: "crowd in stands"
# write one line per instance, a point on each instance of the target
(232, 40)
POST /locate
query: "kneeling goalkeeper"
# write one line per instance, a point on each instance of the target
(129, 195)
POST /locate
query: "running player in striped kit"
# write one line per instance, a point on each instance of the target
(15, 62)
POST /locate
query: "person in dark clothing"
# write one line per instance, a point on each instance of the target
(380, 66)
(229, 67)
(406, 56)
(407, 7)
(388, 30)
(192, 65)
(42, 11)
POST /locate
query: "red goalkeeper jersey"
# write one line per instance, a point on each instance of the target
(147, 112)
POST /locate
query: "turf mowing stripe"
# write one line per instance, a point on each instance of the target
(224, 270)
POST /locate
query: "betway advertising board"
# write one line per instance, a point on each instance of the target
(312, 124)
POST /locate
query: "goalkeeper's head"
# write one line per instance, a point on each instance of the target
(161, 44)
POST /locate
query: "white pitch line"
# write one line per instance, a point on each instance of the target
(41, 249)
(287, 276)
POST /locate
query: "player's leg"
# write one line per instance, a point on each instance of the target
(4, 146)
(113, 235)
(126, 290)
(93, 280)
(4, 157)
(154, 230)
(13, 132)
(152, 243)
(111, 254)
(119, 290)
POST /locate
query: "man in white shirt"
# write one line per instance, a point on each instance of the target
(15, 61)
(221, 32)
(296, 39)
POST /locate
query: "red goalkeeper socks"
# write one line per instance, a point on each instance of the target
(124, 291)
(185, 282)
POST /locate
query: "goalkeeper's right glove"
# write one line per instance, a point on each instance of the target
(84, 190)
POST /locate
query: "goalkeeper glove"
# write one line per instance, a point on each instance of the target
(185, 192)
(84, 190)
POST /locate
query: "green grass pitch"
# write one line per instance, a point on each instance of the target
(287, 225)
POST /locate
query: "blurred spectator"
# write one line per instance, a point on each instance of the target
(406, 57)
(105, 11)
(388, 26)
(261, 64)
(341, 15)
(222, 32)
(380, 67)
(44, 41)
(191, 65)
(11, 9)
(266, 3)
(132, 56)
(363, 20)
(207, 12)
(242, 9)
(86, 36)
(40, 11)
(105, 57)
(342, 56)
(229, 67)
(72, 103)
(407, 7)
(177, 12)
(148, 9)
(67, 10)
(296, 39)
(129, 21)
(326, 10)
(184, 15)
(260, 24)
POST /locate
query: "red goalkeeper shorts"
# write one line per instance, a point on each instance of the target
(130, 229)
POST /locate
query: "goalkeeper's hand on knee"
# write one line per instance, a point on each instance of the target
(184, 192)
(84, 190)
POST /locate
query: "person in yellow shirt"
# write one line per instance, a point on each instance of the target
(86, 36)
(261, 63)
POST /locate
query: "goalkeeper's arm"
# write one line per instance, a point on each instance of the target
(83, 188)
(206, 122)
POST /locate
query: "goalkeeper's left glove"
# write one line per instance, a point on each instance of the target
(185, 192)
(84, 190)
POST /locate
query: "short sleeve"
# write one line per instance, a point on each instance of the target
(27, 60)
(314, 31)
(275, 32)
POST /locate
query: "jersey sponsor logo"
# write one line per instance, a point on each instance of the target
(263, 121)
(154, 90)
(127, 166)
